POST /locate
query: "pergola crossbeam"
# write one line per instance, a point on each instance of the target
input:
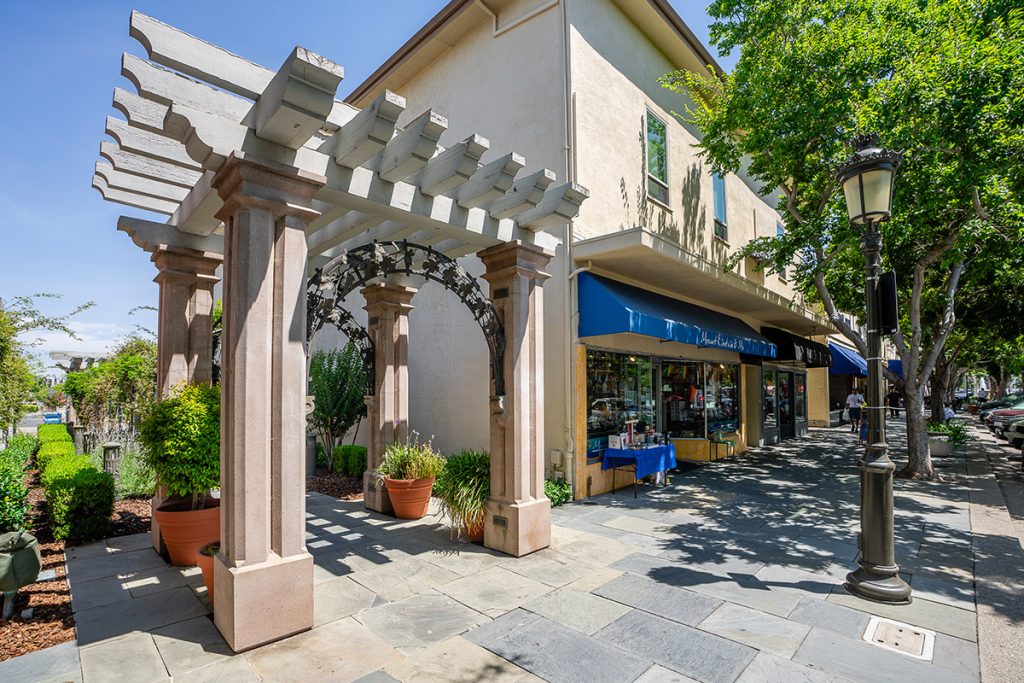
(366, 135)
(139, 201)
(167, 87)
(165, 149)
(151, 236)
(147, 167)
(412, 148)
(454, 166)
(141, 113)
(525, 193)
(559, 206)
(139, 185)
(491, 181)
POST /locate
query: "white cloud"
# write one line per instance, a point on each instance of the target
(95, 339)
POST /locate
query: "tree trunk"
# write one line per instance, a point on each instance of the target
(938, 396)
(919, 457)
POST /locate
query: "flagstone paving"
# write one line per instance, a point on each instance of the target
(731, 573)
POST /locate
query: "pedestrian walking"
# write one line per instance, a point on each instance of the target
(893, 400)
(853, 403)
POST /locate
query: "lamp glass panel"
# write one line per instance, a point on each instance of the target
(852, 190)
(877, 192)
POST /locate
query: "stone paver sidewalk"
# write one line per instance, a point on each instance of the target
(732, 573)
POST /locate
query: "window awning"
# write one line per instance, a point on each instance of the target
(847, 362)
(610, 307)
(798, 349)
(896, 365)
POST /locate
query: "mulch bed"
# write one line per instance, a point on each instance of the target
(51, 622)
(336, 484)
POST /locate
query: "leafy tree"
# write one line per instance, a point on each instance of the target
(337, 382)
(943, 82)
(115, 392)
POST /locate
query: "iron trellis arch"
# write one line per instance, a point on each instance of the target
(362, 265)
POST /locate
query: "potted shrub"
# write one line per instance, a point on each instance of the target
(463, 488)
(945, 437)
(204, 558)
(408, 471)
(181, 436)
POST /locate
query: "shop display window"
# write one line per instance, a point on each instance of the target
(722, 398)
(800, 397)
(768, 398)
(683, 399)
(619, 389)
(785, 400)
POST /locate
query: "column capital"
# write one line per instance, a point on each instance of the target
(186, 265)
(516, 257)
(387, 295)
(245, 181)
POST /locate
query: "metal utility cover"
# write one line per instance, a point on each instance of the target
(912, 641)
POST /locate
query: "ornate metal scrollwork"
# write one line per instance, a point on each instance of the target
(360, 266)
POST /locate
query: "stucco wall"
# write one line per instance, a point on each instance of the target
(615, 71)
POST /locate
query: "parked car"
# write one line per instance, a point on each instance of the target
(1014, 433)
(999, 420)
(52, 418)
(1003, 402)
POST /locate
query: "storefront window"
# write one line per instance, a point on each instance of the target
(768, 397)
(785, 399)
(682, 399)
(619, 389)
(801, 397)
(722, 399)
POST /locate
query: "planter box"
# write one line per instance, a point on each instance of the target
(940, 445)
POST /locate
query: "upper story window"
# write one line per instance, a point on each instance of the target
(721, 224)
(657, 159)
(779, 233)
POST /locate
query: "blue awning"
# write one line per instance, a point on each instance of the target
(847, 362)
(896, 365)
(610, 307)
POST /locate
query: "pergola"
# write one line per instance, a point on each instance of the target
(269, 177)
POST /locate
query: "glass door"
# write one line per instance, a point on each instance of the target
(787, 412)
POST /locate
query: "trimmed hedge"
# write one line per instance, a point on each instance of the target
(349, 459)
(51, 450)
(13, 492)
(49, 433)
(22, 446)
(80, 498)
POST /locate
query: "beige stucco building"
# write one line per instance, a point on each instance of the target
(573, 84)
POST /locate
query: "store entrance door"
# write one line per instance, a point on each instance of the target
(787, 416)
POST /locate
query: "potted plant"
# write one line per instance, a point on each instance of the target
(408, 471)
(181, 436)
(945, 437)
(204, 558)
(463, 488)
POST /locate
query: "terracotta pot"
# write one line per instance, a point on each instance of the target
(185, 531)
(409, 497)
(475, 533)
(205, 563)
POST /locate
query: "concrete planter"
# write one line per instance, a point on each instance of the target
(940, 445)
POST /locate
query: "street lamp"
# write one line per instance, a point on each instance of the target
(867, 178)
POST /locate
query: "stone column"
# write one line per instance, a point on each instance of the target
(263, 574)
(387, 411)
(518, 518)
(184, 354)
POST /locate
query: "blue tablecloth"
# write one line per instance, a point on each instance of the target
(648, 460)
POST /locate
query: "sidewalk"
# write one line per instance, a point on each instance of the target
(732, 573)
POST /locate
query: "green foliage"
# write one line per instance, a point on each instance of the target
(136, 478)
(23, 446)
(558, 492)
(181, 436)
(337, 382)
(117, 390)
(80, 499)
(47, 433)
(321, 456)
(411, 460)
(13, 492)
(50, 450)
(463, 487)
(349, 459)
(958, 432)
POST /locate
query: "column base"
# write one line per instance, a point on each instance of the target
(375, 495)
(260, 603)
(156, 538)
(518, 529)
(886, 587)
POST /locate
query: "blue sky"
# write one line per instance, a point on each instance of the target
(62, 63)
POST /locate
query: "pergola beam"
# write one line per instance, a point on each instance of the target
(147, 167)
(454, 166)
(139, 185)
(146, 144)
(525, 193)
(412, 148)
(168, 87)
(197, 213)
(366, 135)
(139, 201)
(490, 181)
(151, 236)
(140, 112)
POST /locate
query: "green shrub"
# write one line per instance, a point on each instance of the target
(181, 436)
(13, 493)
(48, 433)
(80, 499)
(136, 478)
(558, 492)
(412, 460)
(321, 456)
(350, 460)
(957, 431)
(463, 487)
(53, 449)
(23, 446)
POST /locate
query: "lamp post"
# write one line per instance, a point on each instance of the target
(867, 179)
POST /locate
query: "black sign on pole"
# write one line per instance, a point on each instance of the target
(888, 308)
